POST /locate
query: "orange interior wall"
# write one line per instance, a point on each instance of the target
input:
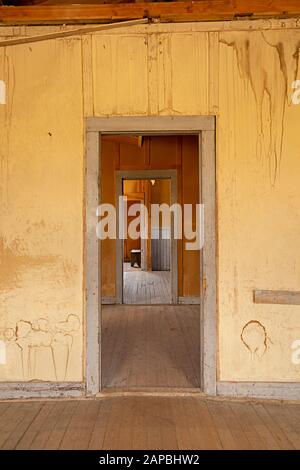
(156, 153)
(108, 196)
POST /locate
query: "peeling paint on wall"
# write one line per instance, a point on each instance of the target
(8, 77)
(2, 352)
(2, 92)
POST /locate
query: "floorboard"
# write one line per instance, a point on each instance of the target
(150, 346)
(146, 287)
(150, 423)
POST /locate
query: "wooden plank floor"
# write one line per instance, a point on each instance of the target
(146, 288)
(149, 423)
(152, 346)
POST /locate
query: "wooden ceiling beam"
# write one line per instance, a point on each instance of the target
(203, 10)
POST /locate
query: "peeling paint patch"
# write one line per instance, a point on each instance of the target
(296, 92)
(8, 78)
(2, 352)
(254, 337)
(296, 354)
(2, 92)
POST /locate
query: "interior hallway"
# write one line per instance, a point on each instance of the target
(149, 423)
(152, 346)
(146, 287)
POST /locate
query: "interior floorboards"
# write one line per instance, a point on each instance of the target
(150, 346)
(149, 423)
(146, 287)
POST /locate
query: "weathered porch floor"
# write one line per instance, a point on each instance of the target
(149, 423)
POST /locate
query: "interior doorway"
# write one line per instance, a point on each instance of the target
(158, 184)
(144, 325)
(147, 247)
(126, 321)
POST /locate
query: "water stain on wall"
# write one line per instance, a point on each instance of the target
(270, 66)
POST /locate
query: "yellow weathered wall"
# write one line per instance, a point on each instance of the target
(259, 202)
(41, 148)
(242, 73)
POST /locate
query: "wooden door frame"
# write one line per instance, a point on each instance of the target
(138, 197)
(146, 175)
(204, 127)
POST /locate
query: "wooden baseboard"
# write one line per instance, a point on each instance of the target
(280, 297)
(243, 390)
(271, 390)
(13, 390)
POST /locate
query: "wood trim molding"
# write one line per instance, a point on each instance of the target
(92, 258)
(68, 33)
(147, 175)
(276, 297)
(165, 11)
(11, 390)
(270, 390)
(208, 270)
(204, 127)
(266, 390)
(151, 125)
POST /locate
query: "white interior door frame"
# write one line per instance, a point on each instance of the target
(146, 175)
(204, 127)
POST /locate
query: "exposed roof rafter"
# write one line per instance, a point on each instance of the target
(202, 10)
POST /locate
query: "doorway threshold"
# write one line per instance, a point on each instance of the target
(151, 392)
